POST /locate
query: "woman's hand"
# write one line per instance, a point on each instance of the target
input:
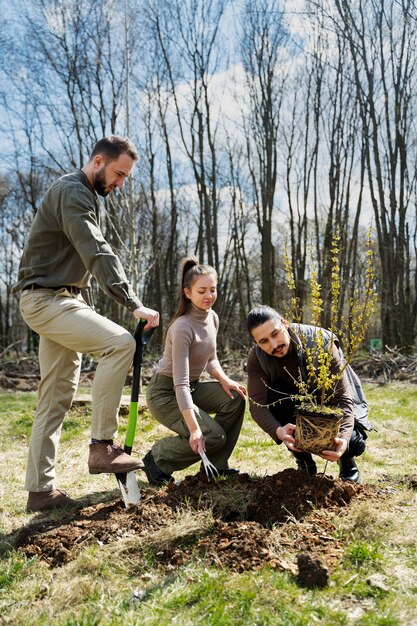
(230, 386)
(196, 441)
(334, 455)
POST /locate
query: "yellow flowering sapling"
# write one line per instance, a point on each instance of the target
(314, 394)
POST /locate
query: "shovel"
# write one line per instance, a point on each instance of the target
(127, 480)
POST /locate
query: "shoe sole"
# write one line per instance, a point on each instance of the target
(357, 480)
(119, 471)
(52, 508)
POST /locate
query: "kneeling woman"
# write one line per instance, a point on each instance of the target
(179, 400)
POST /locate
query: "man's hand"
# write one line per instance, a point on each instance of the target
(151, 316)
(285, 434)
(334, 455)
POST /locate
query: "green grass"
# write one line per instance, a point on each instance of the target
(106, 586)
(16, 412)
(360, 552)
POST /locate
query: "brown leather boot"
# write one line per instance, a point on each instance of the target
(45, 500)
(109, 458)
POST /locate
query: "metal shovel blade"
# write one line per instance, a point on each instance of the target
(129, 488)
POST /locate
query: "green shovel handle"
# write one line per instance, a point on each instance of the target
(142, 339)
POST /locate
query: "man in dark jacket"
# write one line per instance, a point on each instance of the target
(274, 364)
(65, 247)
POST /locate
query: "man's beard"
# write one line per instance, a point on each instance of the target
(100, 183)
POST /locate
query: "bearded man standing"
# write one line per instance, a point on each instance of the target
(64, 249)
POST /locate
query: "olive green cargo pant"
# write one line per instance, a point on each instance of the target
(68, 327)
(220, 433)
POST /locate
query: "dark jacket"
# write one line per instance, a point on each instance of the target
(263, 368)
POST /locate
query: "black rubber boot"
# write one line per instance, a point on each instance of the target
(305, 463)
(154, 474)
(348, 470)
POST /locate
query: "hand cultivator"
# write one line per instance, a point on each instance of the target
(210, 469)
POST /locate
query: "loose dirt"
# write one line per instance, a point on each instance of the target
(274, 520)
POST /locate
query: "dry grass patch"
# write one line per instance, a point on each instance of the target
(392, 519)
(187, 526)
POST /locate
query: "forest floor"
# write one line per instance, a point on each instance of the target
(267, 546)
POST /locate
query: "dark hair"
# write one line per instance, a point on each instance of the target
(110, 148)
(261, 314)
(191, 269)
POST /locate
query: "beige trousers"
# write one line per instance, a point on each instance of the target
(68, 327)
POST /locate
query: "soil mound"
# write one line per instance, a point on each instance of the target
(270, 501)
(253, 522)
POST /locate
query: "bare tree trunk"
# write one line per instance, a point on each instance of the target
(384, 73)
(196, 26)
(263, 40)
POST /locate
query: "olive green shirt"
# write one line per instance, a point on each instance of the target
(65, 246)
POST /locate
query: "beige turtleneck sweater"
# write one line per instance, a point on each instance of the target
(190, 348)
